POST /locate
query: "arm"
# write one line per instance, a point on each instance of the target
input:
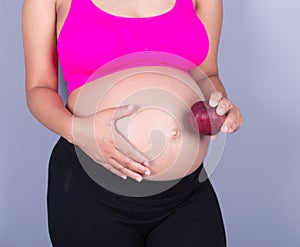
(41, 65)
(41, 82)
(210, 13)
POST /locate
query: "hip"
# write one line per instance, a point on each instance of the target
(68, 171)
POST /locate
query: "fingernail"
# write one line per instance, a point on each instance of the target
(224, 128)
(146, 162)
(139, 179)
(220, 111)
(147, 173)
(130, 107)
(214, 137)
(213, 103)
(124, 176)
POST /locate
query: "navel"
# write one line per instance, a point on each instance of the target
(175, 132)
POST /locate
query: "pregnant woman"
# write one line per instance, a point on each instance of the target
(110, 121)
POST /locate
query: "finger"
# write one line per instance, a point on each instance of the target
(214, 98)
(225, 128)
(130, 164)
(113, 170)
(224, 106)
(125, 147)
(125, 171)
(214, 137)
(234, 127)
(230, 128)
(236, 123)
(231, 122)
(122, 111)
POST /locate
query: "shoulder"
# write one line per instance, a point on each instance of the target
(36, 5)
(210, 12)
(203, 4)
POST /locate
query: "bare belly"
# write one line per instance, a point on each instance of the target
(160, 126)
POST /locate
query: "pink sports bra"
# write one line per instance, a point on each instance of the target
(91, 37)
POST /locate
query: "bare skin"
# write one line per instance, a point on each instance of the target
(42, 23)
(176, 150)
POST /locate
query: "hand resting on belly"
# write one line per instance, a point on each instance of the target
(159, 127)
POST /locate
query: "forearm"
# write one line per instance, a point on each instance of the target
(218, 85)
(209, 84)
(47, 107)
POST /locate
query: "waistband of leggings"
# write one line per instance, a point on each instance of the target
(173, 187)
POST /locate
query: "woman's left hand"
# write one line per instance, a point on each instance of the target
(233, 120)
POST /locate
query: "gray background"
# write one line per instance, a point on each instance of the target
(257, 180)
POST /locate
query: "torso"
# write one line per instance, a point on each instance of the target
(126, 87)
(117, 7)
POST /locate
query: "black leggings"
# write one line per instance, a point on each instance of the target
(82, 213)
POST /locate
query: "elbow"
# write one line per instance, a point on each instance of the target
(29, 100)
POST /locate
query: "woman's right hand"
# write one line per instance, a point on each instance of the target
(98, 136)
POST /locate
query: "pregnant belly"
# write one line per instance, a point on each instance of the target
(160, 125)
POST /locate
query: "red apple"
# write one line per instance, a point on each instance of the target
(204, 119)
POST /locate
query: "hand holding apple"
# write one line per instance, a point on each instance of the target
(204, 118)
(220, 108)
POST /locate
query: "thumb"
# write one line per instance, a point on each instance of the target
(123, 111)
